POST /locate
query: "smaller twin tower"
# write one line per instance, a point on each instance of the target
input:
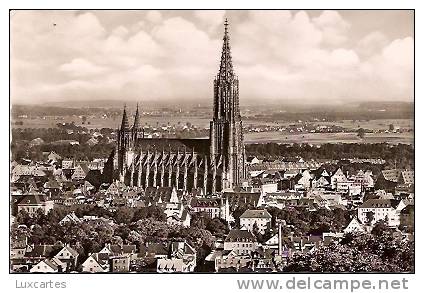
(214, 164)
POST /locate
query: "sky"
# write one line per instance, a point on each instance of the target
(279, 56)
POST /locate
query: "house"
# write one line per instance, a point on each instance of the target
(53, 157)
(349, 186)
(182, 218)
(303, 180)
(67, 163)
(70, 218)
(181, 258)
(31, 203)
(407, 178)
(210, 206)
(18, 246)
(226, 261)
(256, 218)
(354, 226)
(364, 178)
(96, 263)
(156, 250)
(338, 176)
(37, 253)
(69, 256)
(52, 187)
(118, 250)
(120, 264)
(241, 242)
(236, 199)
(52, 265)
(80, 172)
(374, 210)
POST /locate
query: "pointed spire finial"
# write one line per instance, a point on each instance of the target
(136, 124)
(226, 26)
(226, 66)
(124, 124)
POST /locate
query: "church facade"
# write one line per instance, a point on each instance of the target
(214, 164)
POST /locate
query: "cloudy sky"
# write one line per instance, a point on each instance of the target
(305, 56)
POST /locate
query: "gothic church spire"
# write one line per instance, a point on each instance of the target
(226, 66)
(125, 124)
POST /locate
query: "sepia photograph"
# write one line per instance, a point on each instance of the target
(212, 141)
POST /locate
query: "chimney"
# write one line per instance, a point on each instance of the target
(280, 238)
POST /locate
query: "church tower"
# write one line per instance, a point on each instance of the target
(124, 141)
(226, 129)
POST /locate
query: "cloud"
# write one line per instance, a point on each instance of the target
(211, 18)
(278, 55)
(333, 27)
(81, 68)
(371, 43)
(154, 16)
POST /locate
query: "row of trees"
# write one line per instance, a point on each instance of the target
(402, 154)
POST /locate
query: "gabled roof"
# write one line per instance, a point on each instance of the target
(72, 251)
(178, 249)
(205, 202)
(32, 199)
(408, 210)
(408, 177)
(84, 167)
(380, 203)
(156, 248)
(256, 214)
(242, 198)
(43, 251)
(391, 175)
(238, 235)
(52, 184)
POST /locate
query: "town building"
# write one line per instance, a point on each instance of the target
(256, 219)
(240, 241)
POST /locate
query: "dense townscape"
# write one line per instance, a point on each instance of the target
(105, 200)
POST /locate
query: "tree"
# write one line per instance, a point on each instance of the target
(361, 133)
(370, 217)
(124, 215)
(380, 228)
(217, 227)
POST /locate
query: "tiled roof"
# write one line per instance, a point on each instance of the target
(380, 203)
(242, 198)
(256, 214)
(408, 177)
(32, 199)
(43, 251)
(205, 202)
(157, 249)
(237, 235)
(391, 175)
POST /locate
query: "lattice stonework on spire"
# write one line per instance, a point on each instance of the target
(124, 123)
(226, 66)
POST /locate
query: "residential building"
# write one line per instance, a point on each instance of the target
(374, 210)
(256, 218)
(242, 242)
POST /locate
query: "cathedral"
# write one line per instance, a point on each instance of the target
(214, 164)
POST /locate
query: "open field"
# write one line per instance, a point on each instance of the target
(320, 138)
(381, 124)
(274, 136)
